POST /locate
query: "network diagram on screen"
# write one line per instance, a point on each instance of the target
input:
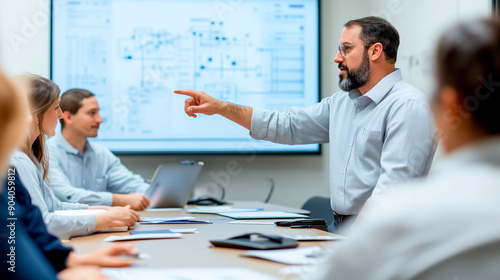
(133, 53)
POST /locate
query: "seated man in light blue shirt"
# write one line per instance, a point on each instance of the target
(85, 172)
(380, 127)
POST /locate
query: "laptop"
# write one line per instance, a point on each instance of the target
(172, 184)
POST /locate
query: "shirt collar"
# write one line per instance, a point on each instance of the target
(61, 142)
(377, 93)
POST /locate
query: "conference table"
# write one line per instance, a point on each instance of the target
(195, 250)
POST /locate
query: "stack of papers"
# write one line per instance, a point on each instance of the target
(263, 215)
(253, 222)
(163, 209)
(219, 209)
(143, 237)
(308, 255)
(173, 230)
(172, 220)
(315, 237)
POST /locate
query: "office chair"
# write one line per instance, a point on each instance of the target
(320, 208)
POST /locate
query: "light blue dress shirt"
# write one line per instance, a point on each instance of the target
(43, 197)
(91, 177)
(378, 139)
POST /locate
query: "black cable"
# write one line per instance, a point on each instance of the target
(223, 190)
(271, 190)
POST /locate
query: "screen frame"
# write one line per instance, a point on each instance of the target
(318, 151)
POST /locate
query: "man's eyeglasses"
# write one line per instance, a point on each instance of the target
(345, 47)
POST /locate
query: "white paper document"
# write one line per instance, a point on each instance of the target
(154, 220)
(230, 273)
(315, 237)
(308, 255)
(163, 209)
(263, 215)
(143, 237)
(219, 209)
(169, 218)
(172, 230)
(252, 222)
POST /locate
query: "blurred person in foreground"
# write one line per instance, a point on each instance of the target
(28, 250)
(446, 227)
(31, 164)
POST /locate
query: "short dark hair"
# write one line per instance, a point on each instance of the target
(378, 30)
(71, 100)
(468, 60)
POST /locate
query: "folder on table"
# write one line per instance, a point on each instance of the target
(173, 220)
(262, 215)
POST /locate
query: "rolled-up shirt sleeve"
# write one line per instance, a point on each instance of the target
(306, 125)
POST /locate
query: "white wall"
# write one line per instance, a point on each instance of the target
(24, 29)
(24, 47)
(420, 23)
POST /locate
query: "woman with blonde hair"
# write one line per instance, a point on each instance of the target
(30, 252)
(31, 163)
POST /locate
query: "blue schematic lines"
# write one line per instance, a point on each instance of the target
(134, 53)
(205, 57)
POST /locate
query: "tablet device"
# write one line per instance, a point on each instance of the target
(256, 241)
(172, 184)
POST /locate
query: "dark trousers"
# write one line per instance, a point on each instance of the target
(340, 222)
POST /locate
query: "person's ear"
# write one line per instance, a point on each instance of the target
(67, 117)
(448, 97)
(376, 51)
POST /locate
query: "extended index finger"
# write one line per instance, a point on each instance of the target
(188, 92)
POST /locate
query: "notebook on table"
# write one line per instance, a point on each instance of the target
(262, 215)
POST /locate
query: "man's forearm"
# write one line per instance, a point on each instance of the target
(239, 114)
(119, 199)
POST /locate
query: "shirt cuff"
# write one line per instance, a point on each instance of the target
(86, 225)
(258, 128)
(91, 223)
(106, 199)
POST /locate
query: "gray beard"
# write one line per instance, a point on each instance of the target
(356, 77)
